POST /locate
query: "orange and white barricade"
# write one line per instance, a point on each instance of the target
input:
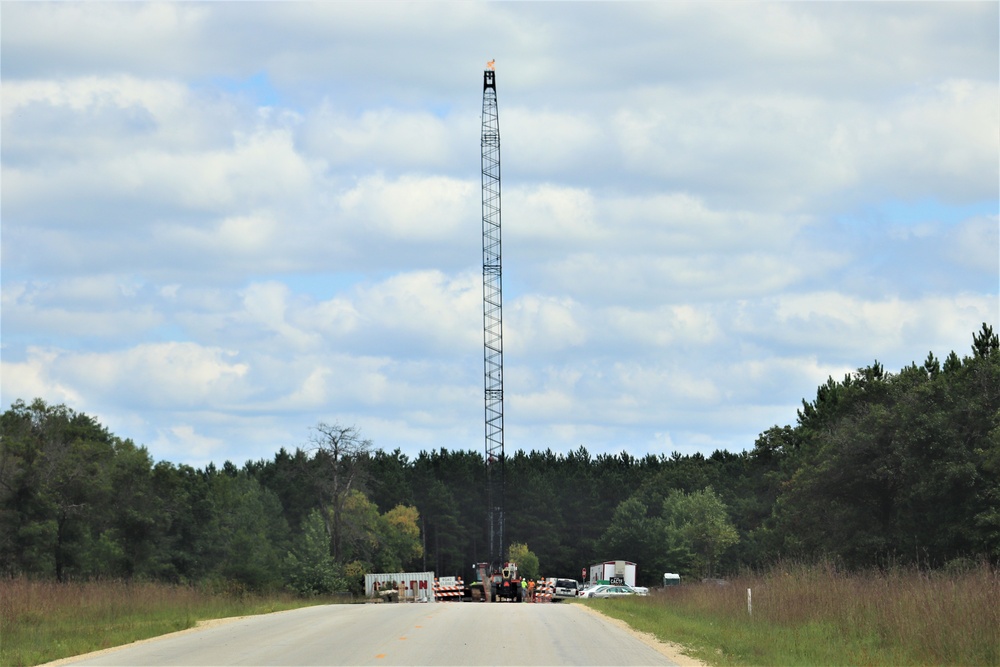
(544, 590)
(448, 589)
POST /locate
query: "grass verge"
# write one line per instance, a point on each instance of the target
(818, 616)
(45, 621)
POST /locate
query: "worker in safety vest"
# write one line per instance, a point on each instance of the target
(531, 590)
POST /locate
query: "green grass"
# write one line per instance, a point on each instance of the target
(45, 621)
(818, 616)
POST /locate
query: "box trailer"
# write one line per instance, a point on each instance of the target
(400, 586)
(614, 572)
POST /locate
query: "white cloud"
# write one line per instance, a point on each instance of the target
(849, 327)
(942, 138)
(97, 306)
(540, 325)
(312, 393)
(57, 122)
(258, 169)
(976, 244)
(553, 216)
(266, 306)
(662, 326)
(783, 150)
(32, 378)
(159, 375)
(184, 442)
(162, 99)
(548, 141)
(223, 223)
(386, 136)
(426, 309)
(411, 208)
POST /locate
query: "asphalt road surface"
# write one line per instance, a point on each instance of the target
(448, 633)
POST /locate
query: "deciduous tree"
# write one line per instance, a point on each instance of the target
(528, 566)
(343, 454)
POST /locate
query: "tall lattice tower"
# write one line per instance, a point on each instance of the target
(493, 317)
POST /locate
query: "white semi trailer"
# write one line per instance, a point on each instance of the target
(615, 572)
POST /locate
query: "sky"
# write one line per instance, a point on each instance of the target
(226, 223)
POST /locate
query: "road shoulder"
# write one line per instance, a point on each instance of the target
(199, 625)
(673, 652)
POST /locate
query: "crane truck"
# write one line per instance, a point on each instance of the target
(495, 584)
(498, 579)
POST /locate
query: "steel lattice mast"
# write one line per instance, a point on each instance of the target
(493, 317)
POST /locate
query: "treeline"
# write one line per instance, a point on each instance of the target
(881, 469)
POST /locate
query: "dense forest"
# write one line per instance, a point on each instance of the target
(881, 469)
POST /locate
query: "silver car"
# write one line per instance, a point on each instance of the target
(612, 592)
(590, 590)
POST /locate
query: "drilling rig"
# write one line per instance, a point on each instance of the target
(497, 579)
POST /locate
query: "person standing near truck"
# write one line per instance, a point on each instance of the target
(531, 590)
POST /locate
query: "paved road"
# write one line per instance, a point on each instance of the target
(399, 634)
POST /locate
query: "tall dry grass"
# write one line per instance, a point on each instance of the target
(932, 617)
(23, 600)
(42, 621)
(895, 617)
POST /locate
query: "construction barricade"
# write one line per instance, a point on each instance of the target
(448, 589)
(544, 590)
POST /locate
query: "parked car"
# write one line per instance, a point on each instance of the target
(589, 592)
(640, 590)
(612, 592)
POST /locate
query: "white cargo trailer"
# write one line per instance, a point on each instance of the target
(615, 572)
(409, 586)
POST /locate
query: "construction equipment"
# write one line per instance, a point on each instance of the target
(495, 585)
(493, 332)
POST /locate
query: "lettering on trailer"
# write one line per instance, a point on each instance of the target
(616, 581)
